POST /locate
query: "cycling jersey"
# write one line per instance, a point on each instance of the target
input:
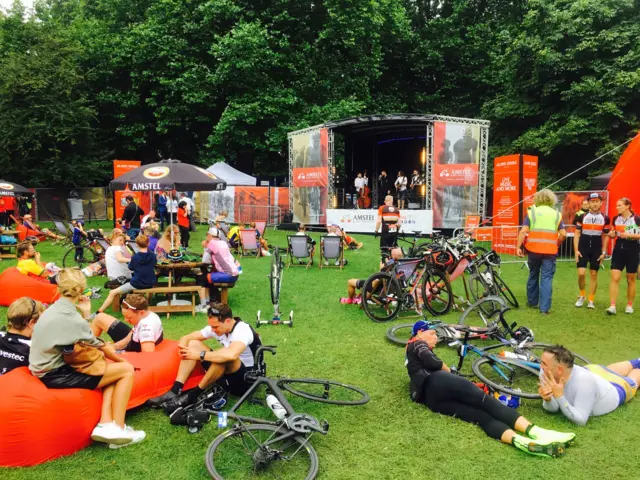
(390, 217)
(625, 252)
(591, 227)
(629, 225)
(421, 362)
(14, 351)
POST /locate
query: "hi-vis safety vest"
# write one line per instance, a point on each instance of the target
(543, 230)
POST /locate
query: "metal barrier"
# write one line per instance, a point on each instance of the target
(259, 213)
(504, 240)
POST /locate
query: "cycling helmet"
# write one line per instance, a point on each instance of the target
(442, 258)
(419, 326)
(493, 258)
(174, 255)
(523, 333)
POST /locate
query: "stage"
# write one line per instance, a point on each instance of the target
(364, 220)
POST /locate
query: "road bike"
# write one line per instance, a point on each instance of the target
(275, 285)
(484, 281)
(90, 251)
(281, 448)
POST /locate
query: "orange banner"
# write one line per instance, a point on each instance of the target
(120, 167)
(310, 177)
(471, 223)
(529, 181)
(484, 234)
(456, 175)
(506, 191)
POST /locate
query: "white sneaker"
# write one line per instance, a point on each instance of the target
(136, 437)
(110, 433)
(326, 263)
(580, 301)
(611, 310)
(202, 308)
(591, 305)
(628, 309)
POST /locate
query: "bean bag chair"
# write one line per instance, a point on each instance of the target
(14, 285)
(39, 424)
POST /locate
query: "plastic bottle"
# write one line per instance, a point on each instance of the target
(275, 406)
(512, 355)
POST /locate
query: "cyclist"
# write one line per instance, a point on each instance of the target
(442, 391)
(580, 392)
(626, 230)
(227, 365)
(389, 220)
(590, 245)
(355, 284)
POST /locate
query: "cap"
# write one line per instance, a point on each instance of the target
(214, 231)
(595, 195)
(419, 326)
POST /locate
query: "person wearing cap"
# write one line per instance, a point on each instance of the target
(435, 385)
(545, 230)
(226, 366)
(590, 244)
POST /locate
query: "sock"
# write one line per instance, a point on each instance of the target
(630, 304)
(204, 302)
(194, 394)
(635, 363)
(583, 293)
(592, 297)
(177, 387)
(528, 430)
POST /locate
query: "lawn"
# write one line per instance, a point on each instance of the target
(390, 437)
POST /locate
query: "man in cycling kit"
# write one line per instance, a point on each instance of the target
(590, 244)
(626, 231)
(226, 366)
(433, 384)
(389, 220)
(580, 392)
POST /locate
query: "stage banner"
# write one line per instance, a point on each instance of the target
(310, 152)
(506, 190)
(454, 178)
(364, 221)
(529, 181)
(120, 167)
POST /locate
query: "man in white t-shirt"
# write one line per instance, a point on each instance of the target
(401, 188)
(226, 366)
(147, 326)
(116, 258)
(149, 217)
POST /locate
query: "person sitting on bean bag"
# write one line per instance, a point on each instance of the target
(147, 326)
(15, 343)
(29, 263)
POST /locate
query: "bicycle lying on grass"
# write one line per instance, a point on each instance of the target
(281, 448)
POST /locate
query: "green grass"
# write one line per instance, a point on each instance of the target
(390, 437)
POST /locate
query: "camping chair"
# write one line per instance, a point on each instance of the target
(224, 227)
(299, 248)
(64, 231)
(261, 227)
(248, 242)
(133, 246)
(331, 249)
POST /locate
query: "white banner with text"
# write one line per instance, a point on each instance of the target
(364, 221)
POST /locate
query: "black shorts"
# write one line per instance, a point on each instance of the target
(118, 331)
(360, 283)
(67, 377)
(625, 258)
(387, 241)
(402, 194)
(589, 257)
(233, 383)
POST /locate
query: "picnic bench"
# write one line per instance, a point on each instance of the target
(10, 250)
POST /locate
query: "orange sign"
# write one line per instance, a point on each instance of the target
(529, 181)
(484, 234)
(505, 240)
(471, 223)
(120, 167)
(456, 175)
(506, 191)
(310, 177)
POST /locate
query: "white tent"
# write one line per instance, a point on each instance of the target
(231, 175)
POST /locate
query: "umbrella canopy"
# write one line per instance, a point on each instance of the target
(168, 175)
(10, 189)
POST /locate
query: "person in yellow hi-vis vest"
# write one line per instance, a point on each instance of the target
(545, 230)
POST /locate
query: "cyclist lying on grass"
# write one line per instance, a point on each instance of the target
(442, 391)
(355, 284)
(579, 392)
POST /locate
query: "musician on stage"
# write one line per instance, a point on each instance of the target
(384, 187)
(416, 183)
(359, 183)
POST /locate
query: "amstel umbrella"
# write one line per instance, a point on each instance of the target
(10, 189)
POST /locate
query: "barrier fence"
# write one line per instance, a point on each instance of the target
(259, 213)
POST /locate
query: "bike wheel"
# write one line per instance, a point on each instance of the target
(479, 287)
(420, 249)
(235, 454)
(521, 380)
(324, 391)
(483, 313)
(504, 291)
(437, 295)
(400, 334)
(84, 258)
(381, 297)
(534, 350)
(275, 276)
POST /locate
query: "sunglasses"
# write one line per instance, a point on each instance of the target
(214, 312)
(128, 305)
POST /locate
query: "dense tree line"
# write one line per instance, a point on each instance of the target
(83, 82)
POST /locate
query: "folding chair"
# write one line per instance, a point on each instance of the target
(261, 227)
(64, 231)
(133, 246)
(248, 242)
(299, 248)
(331, 250)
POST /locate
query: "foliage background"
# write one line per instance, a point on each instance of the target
(84, 82)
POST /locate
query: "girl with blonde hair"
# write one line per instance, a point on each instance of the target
(15, 343)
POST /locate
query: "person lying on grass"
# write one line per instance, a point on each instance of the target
(226, 366)
(355, 284)
(434, 385)
(580, 392)
(147, 326)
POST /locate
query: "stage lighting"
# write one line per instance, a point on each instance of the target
(423, 155)
(335, 201)
(424, 190)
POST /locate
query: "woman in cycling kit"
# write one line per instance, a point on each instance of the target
(626, 231)
(442, 391)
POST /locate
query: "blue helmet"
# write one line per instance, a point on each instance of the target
(419, 326)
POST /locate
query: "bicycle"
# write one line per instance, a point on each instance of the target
(275, 285)
(272, 447)
(87, 253)
(484, 281)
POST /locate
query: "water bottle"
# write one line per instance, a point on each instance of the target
(222, 419)
(275, 406)
(515, 356)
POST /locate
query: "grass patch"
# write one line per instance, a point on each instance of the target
(389, 438)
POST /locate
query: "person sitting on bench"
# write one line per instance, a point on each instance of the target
(225, 267)
(143, 265)
(226, 366)
(147, 326)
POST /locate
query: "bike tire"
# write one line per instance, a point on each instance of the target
(437, 295)
(217, 472)
(479, 288)
(535, 349)
(527, 377)
(400, 334)
(381, 289)
(89, 256)
(484, 312)
(275, 276)
(504, 291)
(294, 385)
(420, 249)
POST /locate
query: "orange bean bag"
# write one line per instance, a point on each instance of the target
(14, 285)
(39, 424)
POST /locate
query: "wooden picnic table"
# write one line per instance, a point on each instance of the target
(6, 250)
(170, 269)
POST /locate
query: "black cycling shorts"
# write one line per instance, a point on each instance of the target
(67, 377)
(589, 257)
(360, 283)
(625, 258)
(118, 331)
(387, 241)
(233, 383)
